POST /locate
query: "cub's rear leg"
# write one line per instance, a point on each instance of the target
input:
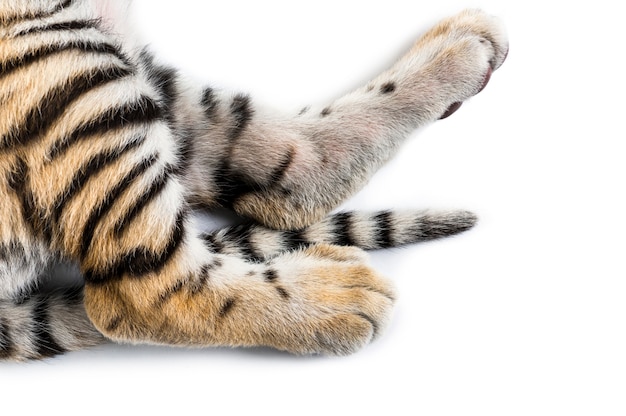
(290, 172)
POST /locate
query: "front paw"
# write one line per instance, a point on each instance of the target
(339, 303)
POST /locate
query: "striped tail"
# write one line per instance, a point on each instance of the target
(45, 325)
(369, 231)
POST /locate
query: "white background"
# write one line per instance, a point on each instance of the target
(524, 315)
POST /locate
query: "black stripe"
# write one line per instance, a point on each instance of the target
(212, 243)
(207, 268)
(52, 106)
(203, 276)
(233, 185)
(217, 263)
(87, 171)
(60, 27)
(248, 251)
(239, 236)
(199, 285)
(279, 172)
(7, 346)
(170, 292)
(17, 180)
(209, 102)
(144, 200)
(38, 14)
(230, 184)
(64, 5)
(283, 293)
(226, 307)
(142, 111)
(50, 49)
(185, 140)
(294, 240)
(103, 208)
(163, 78)
(45, 343)
(342, 223)
(141, 261)
(242, 112)
(384, 229)
(17, 176)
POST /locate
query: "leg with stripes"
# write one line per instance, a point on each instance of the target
(318, 299)
(36, 324)
(43, 325)
(289, 172)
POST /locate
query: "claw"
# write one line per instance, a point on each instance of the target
(454, 107)
(451, 110)
(486, 80)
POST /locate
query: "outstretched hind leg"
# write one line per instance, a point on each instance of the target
(38, 323)
(289, 172)
(45, 325)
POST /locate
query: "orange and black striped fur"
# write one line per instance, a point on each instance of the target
(105, 154)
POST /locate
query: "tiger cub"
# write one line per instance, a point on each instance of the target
(105, 156)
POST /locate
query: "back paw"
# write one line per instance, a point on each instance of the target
(466, 49)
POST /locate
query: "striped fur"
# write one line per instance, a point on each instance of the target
(369, 231)
(43, 326)
(105, 154)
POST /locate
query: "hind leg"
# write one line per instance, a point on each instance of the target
(288, 172)
(38, 324)
(45, 325)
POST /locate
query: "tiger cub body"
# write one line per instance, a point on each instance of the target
(105, 154)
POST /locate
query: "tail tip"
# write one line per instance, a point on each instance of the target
(465, 220)
(444, 224)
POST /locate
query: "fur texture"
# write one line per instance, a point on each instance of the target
(104, 153)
